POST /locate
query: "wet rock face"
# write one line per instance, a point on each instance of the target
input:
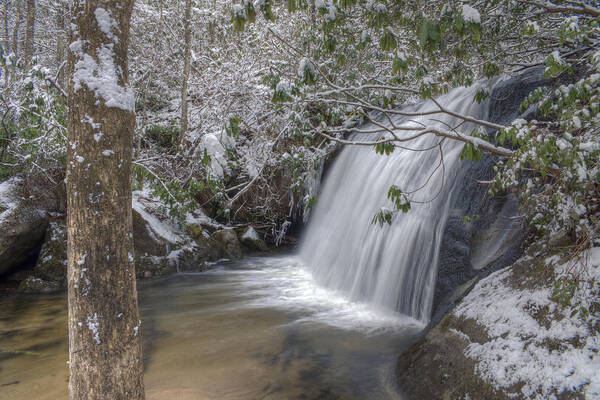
(478, 223)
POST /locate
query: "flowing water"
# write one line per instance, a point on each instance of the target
(391, 266)
(256, 329)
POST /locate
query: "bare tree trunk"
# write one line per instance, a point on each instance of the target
(105, 359)
(29, 32)
(60, 42)
(15, 36)
(142, 131)
(5, 26)
(313, 13)
(18, 18)
(6, 37)
(186, 71)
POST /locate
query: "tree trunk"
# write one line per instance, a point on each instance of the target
(29, 32)
(186, 71)
(60, 43)
(18, 17)
(5, 32)
(15, 36)
(105, 359)
(6, 45)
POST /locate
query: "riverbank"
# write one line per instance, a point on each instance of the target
(515, 335)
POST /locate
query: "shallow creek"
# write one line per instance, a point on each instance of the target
(255, 329)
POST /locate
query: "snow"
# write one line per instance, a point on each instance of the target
(7, 198)
(106, 23)
(101, 77)
(562, 144)
(216, 145)
(199, 218)
(589, 146)
(239, 11)
(520, 349)
(283, 87)
(145, 206)
(81, 261)
(93, 325)
(108, 153)
(470, 14)
(250, 234)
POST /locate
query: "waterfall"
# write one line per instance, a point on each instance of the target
(393, 266)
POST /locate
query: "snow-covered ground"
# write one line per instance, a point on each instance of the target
(534, 343)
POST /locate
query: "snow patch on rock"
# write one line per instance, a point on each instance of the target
(143, 203)
(561, 354)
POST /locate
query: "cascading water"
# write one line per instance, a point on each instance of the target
(391, 266)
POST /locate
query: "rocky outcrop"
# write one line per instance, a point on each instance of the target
(498, 332)
(161, 245)
(50, 271)
(511, 337)
(23, 222)
(482, 233)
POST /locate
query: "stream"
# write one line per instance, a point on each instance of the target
(259, 328)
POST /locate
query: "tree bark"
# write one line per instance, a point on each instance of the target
(60, 42)
(5, 32)
(105, 359)
(29, 32)
(6, 45)
(186, 71)
(18, 17)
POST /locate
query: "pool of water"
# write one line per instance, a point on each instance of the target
(259, 328)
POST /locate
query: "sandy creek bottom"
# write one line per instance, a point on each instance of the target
(259, 328)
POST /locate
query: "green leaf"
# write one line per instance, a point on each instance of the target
(388, 41)
(469, 152)
(383, 216)
(386, 148)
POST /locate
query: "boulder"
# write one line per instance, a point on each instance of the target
(252, 240)
(22, 226)
(227, 244)
(31, 284)
(51, 264)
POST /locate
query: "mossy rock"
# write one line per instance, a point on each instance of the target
(227, 244)
(196, 232)
(252, 240)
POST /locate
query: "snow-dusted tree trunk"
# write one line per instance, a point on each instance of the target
(29, 32)
(105, 358)
(186, 70)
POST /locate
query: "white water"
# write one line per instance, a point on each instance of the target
(391, 267)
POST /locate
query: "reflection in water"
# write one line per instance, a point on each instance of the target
(256, 329)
